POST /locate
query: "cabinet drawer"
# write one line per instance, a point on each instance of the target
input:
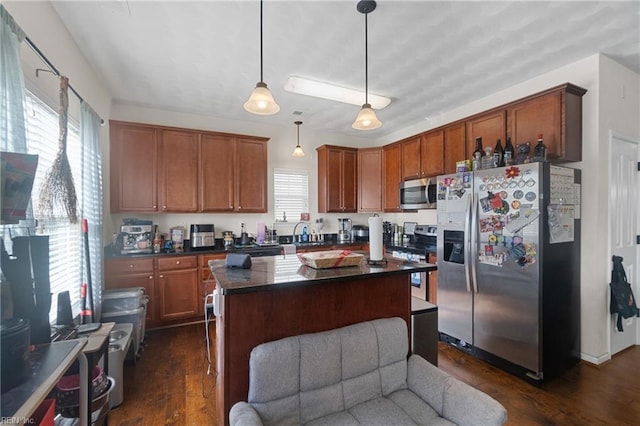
(182, 262)
(126, 266)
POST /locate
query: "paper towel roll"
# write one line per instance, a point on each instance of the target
(375, 238)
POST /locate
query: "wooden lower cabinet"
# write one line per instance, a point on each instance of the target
(178, 283)
(172, 284)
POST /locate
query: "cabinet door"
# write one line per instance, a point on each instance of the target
(178, 294)
(134, 168)
(539, 115)
(454, 147)
(370, 180)
(411, 159)
(217, 182)
(392, 174)
(251, 176)
(349, 181)
(432, 153)
(490, 127)
(179, 173)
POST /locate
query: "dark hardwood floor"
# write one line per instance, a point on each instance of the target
(169, 385)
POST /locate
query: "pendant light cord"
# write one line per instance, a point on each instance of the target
(261, 41)
(366, 60)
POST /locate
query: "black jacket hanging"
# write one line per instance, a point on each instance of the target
(622, 301)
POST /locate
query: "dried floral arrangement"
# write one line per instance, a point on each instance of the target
(58, 188)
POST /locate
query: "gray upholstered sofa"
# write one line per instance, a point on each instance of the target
(356, 375)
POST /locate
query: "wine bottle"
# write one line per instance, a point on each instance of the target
(498, 155)
(509, 153)
(540, 151)
(478, 153)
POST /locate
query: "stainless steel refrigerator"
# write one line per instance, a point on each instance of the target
(508, 250)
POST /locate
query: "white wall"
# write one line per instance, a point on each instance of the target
(603, 109)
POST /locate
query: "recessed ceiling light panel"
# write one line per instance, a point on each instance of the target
(332, 92)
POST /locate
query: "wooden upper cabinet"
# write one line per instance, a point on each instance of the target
(179, 171)
(432, 153)
(217, 183)
(490, 127)
(370, 180)
(392, 174)
(337, 179)
(454, 147)
(134, 167)
(251, 175)
(156, 168)
(557, 115)
(411, 158)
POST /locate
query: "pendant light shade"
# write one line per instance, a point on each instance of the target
(366, 119)
(261, 101)
(298, 152)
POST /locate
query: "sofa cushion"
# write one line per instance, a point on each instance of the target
(419, 411)
(380, 411)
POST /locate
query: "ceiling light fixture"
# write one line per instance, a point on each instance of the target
(298, 152)
(261, 101)
(318, 89)
(366, 119)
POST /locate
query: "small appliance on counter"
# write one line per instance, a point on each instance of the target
(135, 238)
(202, 236)
(344, 230)
(360, 233)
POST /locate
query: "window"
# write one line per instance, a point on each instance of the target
(290, 194)
(65, 239)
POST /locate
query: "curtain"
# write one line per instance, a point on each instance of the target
(12, 109)
(91, 201)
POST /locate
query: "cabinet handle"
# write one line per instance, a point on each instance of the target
(239, 207)
(177, 262)
(150, 277)
(155, 207)
(161, 275)
(164, 207)
(131, 265)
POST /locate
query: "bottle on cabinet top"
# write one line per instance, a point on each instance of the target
(509, 157)
(487, 159)
(540, 150)
(498, 155)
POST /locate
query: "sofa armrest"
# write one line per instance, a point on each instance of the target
(243, 414)
(452, 399)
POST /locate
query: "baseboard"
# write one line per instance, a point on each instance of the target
(595, 360)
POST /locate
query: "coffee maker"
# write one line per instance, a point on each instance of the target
(344, 230)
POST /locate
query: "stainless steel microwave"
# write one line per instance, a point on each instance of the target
(418, 194)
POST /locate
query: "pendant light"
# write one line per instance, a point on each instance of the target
(261, 101)
(298, 152)
(366, 119)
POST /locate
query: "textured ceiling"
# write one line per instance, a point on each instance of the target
(429, 57)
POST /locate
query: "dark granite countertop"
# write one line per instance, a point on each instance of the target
(109, 251)
(275, 272)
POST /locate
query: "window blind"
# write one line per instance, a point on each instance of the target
(65, 239)
(291, 193)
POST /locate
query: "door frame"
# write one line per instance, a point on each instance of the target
(615, 137)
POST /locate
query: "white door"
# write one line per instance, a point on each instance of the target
(624, 205)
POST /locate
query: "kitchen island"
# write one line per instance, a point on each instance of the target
(280, 297)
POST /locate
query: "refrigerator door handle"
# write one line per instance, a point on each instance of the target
(467, 251)
(473, 246)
